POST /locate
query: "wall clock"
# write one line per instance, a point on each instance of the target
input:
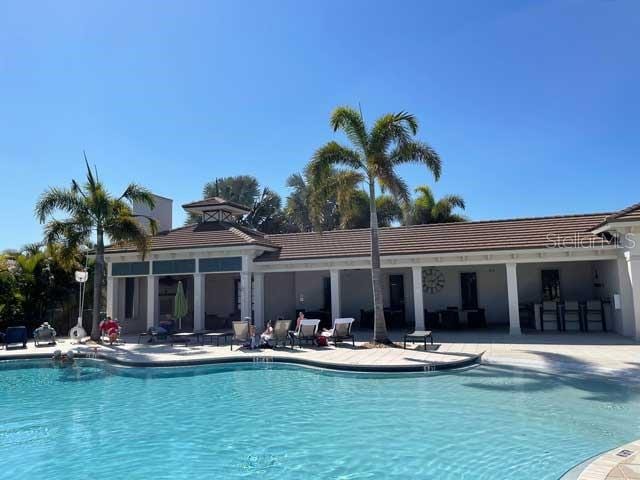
(432, 280)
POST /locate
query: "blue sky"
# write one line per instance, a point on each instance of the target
(533, 106)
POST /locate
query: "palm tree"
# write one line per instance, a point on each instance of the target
(375, 154)
(92, 210)
(426, 209)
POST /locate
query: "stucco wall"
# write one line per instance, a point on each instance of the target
(492, 291)
(219, 294)
(279, 296)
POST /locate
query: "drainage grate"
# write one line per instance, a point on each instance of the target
(625, 453)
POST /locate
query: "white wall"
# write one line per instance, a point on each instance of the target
(162, 212)
(492, 291)
(356, 291)
(576, 280)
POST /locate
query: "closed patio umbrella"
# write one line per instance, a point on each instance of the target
(180, 307)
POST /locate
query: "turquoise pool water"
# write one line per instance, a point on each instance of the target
(287, 422)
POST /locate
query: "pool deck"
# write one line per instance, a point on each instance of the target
(343, 357)
(599, 354)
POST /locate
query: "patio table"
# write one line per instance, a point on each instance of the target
(217, 336)
(183, 337)
(418, 335)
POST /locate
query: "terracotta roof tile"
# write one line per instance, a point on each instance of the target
(460, 237)
(214, 202)
(200, 235)
(629, 214)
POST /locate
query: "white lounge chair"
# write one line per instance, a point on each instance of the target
(341, 331)
(306, 332)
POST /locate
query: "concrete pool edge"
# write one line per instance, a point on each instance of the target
(612, 464)
(472, 360)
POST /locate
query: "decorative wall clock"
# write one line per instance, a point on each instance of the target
(432, 280)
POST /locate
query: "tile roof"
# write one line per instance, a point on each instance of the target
(215, 202)
(629, 214)
(200, 235)
(515, 234)
(525, 233)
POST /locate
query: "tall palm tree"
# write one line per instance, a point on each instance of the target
(426, 209)
(375, 154)
(93, 210)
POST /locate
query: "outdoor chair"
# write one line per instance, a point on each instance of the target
(341, 331)
(549, 316)
(44, 335)
(594, 314)
(476, 318)
(240, 333)
(281, 333)
(571, 315)
(450, 318)
(307, 331)
(159, 333)
(15, 335)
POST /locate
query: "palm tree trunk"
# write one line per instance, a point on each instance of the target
(379, 324)
(97, 285)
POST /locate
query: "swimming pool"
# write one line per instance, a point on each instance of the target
(288, 422)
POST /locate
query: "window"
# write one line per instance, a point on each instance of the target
(129, 291)
(469, 290)
(550, 285)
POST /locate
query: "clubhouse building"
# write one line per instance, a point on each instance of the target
(562, 273)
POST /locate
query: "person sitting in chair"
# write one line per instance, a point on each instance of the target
(266, 336)
(111, 328)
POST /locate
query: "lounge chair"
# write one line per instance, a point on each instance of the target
(240, 333)
(549, 316)
(306, 332)
(162, 332)
(44, 335)
(341, 331)
(281, 333)
(594, 314)
(15, 335)
(571, 314)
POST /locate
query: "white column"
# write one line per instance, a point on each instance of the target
(245, 295)
(418, 298)
(633, 266)
(335, 294)
(199, 287)
(512, 294)
(152, 300)
(258, 300)
(110, 296)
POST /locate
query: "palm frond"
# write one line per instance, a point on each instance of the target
(392, 183)
(330, 155)
(350, 121)
(126, 229)
(454, 201)
(58, 199)
(417, 152)
(138, 194)
(392, 129)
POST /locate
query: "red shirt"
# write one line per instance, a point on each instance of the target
(109, 325)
